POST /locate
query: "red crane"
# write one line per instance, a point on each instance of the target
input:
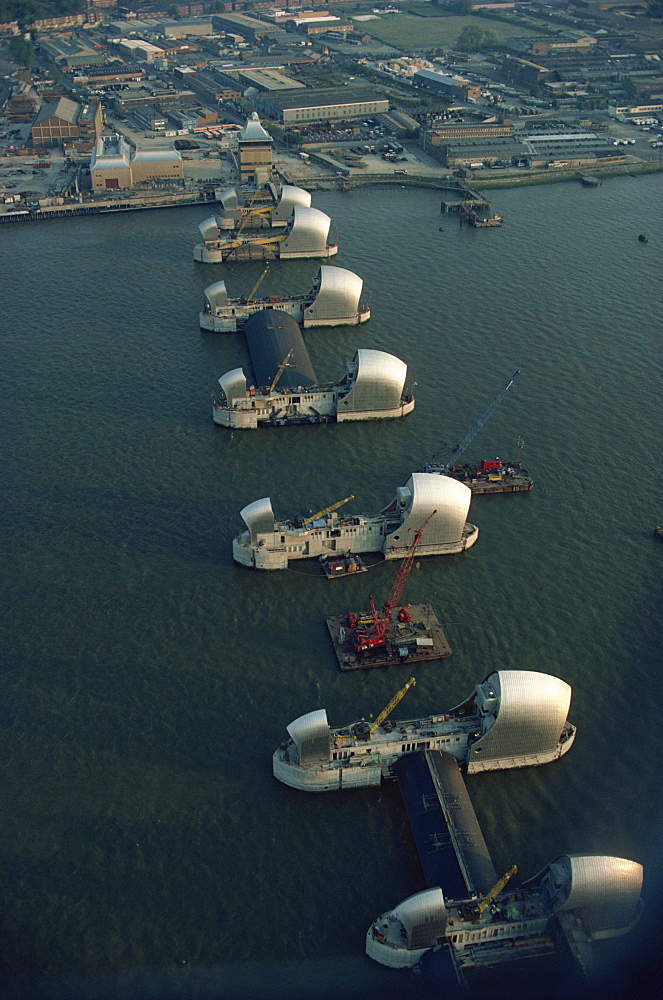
(366, 639)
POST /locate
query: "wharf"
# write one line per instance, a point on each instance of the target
(417, 641)
(128, 204)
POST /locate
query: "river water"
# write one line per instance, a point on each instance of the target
(147, 679)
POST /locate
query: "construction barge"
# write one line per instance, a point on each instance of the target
(512, 719)
(489, 476)
(418, 640)
(335, 300)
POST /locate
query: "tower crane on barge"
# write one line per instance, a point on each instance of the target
(474, 430)
(367, 639)
(326, 510)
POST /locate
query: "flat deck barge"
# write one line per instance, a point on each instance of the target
(488, 476)
(417, 641)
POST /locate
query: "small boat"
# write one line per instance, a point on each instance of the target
(643, 238)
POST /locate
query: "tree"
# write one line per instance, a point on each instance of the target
(23, 51)
(490, 39)
(470, 39)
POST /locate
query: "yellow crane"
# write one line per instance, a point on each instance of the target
(327, 510)
(496, 890)
(282, 367)
(257, 285)
(391, 706)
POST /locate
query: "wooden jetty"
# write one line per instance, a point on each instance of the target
(417, 641)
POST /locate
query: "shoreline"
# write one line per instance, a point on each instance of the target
(143, 202)
(323, 183)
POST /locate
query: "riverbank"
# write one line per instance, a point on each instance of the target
(480, 180)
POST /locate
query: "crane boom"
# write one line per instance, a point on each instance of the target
(496, 890)
(365, 640)
(257, 284)
(388, 709)
(404, 569)
(282, 367)
(476, 427)
(327, 510)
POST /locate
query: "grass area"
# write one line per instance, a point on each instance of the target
(417, 34)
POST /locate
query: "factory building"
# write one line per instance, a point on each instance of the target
(321, 105)
(452, 86)
(64, 119)
(115, 165)
(249, 28)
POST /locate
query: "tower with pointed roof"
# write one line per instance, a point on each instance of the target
(255, 152)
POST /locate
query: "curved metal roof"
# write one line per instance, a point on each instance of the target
(427, 493)
(309, 230)
(379, 382)
(209, 229)
(216, 293)
(229, 198)
(312, 736)
(529, 710)
(604, 889)
(270, 335)
(288, 198)
(233, 384)
(338, 294)
(424, 917)
(258, 517)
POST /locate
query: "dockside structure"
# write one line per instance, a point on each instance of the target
(513, 718)
(336, 299)
(306, 235)
(270, 544)
(373, 387)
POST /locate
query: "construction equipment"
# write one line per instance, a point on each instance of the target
(375, 636)
(391, 706)
(282, 367)
(474, 430)
(327, 510)
(257, 285)
(484, 903)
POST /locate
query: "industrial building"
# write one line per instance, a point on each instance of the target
(321, 105)
(116, 165)
(249, 28)
(442, 83)
(64, 119)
